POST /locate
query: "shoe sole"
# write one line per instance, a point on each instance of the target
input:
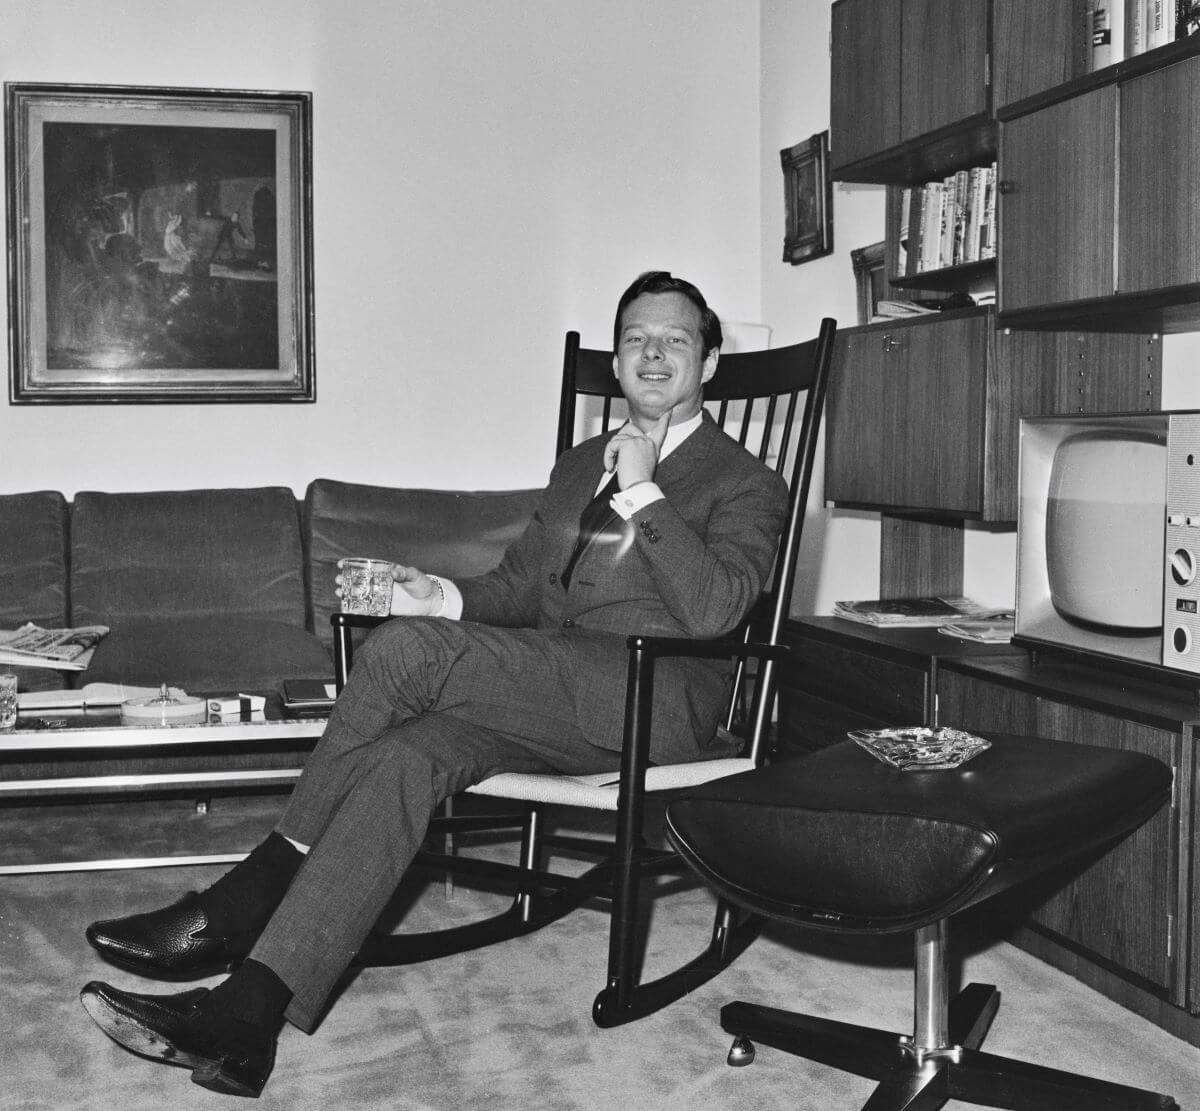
(132, 1035)
(173, 976)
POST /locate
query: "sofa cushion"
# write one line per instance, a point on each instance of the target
(447, 532)
(33, 559)
(210, 654)
(186, 553)
(33, 573)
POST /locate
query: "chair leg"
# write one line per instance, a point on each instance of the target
(940, 1060)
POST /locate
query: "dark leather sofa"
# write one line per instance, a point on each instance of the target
(224, 589)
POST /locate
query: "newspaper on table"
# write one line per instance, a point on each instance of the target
(910, 612)
(63, 649)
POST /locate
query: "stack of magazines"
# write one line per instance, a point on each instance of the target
(915, 612)
(64, 649)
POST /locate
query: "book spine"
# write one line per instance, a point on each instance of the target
(974, 213)
(1156, 27)
(987, 231)
(1108, 33)
(931, 228)
(946, 232)
(1135, 27)
(961, 182)
(916, 221)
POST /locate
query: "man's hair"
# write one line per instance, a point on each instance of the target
(661, 281)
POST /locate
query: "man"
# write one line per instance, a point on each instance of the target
(531, 677)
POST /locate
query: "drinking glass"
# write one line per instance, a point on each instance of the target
(8, 701)
(367, 586)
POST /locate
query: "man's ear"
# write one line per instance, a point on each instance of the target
(616, 368)
(710, 364)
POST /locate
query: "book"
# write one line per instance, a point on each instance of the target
(62, 649)
(987, 224)
(931, 226)
(902, 231)
(1108, 32)
(909, 612)
(1160, 23)
(958, 249)
(974, 213)
(916, 223)
(308, 694)
(946, 233)
(1135, 28)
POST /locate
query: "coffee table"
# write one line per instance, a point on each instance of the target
(64, 753)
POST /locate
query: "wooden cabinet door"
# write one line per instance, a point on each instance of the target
(1057, 202)
(943, 71)
(1037, 44)
(1160, 164)
(865, 88)
(858, 425)
(937, 373)
(1117, 907)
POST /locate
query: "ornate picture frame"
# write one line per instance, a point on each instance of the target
(808, 199)
(159, 244)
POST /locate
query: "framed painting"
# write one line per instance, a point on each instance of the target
(808, 198)
(159, 244)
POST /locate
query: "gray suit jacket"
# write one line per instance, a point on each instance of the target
(691, 564)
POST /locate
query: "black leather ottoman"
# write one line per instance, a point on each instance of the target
(841, 842)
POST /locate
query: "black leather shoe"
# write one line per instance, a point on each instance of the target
(174, 943)
(228, 1056)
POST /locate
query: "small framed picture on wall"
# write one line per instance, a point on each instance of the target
(808, 200)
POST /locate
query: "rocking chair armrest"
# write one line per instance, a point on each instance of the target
(341, 620)
(713, 649)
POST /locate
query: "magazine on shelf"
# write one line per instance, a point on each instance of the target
(994, 629)
(63, 649)
(911, 612)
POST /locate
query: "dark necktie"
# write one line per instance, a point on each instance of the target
(591, 523)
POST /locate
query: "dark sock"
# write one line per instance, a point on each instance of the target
(247, 895)
(253, 994)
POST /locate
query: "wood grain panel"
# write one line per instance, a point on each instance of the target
(1036, 45)
(944, 50)
(1118, 907)
(865, 82)
(1057, 222)
(919, 558)
(936, 377)
(858, 434)
(1160, 165)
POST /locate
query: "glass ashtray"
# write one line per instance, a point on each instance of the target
(919, 748)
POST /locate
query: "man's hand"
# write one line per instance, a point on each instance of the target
(634, 453)
(414, 593)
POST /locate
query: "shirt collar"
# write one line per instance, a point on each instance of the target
(677, 433)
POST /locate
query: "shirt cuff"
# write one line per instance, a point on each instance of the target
(452, 600)
(625, 503)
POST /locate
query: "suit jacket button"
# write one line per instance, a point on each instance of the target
(553, 578)
(568, 624)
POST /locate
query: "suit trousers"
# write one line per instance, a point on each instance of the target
(431, 707)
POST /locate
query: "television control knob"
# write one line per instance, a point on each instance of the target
(1183, 566)
(1181, 640)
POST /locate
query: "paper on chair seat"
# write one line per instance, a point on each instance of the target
(599, 792)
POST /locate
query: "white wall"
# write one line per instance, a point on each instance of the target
(841, 549)
(488, 174)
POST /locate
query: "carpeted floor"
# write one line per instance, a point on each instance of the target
(498, 1029)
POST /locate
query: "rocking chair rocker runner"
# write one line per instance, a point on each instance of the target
(757, 398)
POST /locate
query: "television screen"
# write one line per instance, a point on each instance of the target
(1104, 530)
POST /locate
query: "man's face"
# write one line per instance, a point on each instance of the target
(659, 359)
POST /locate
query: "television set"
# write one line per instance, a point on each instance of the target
(1108, 538)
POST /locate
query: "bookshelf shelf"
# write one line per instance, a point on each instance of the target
(967, 277)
